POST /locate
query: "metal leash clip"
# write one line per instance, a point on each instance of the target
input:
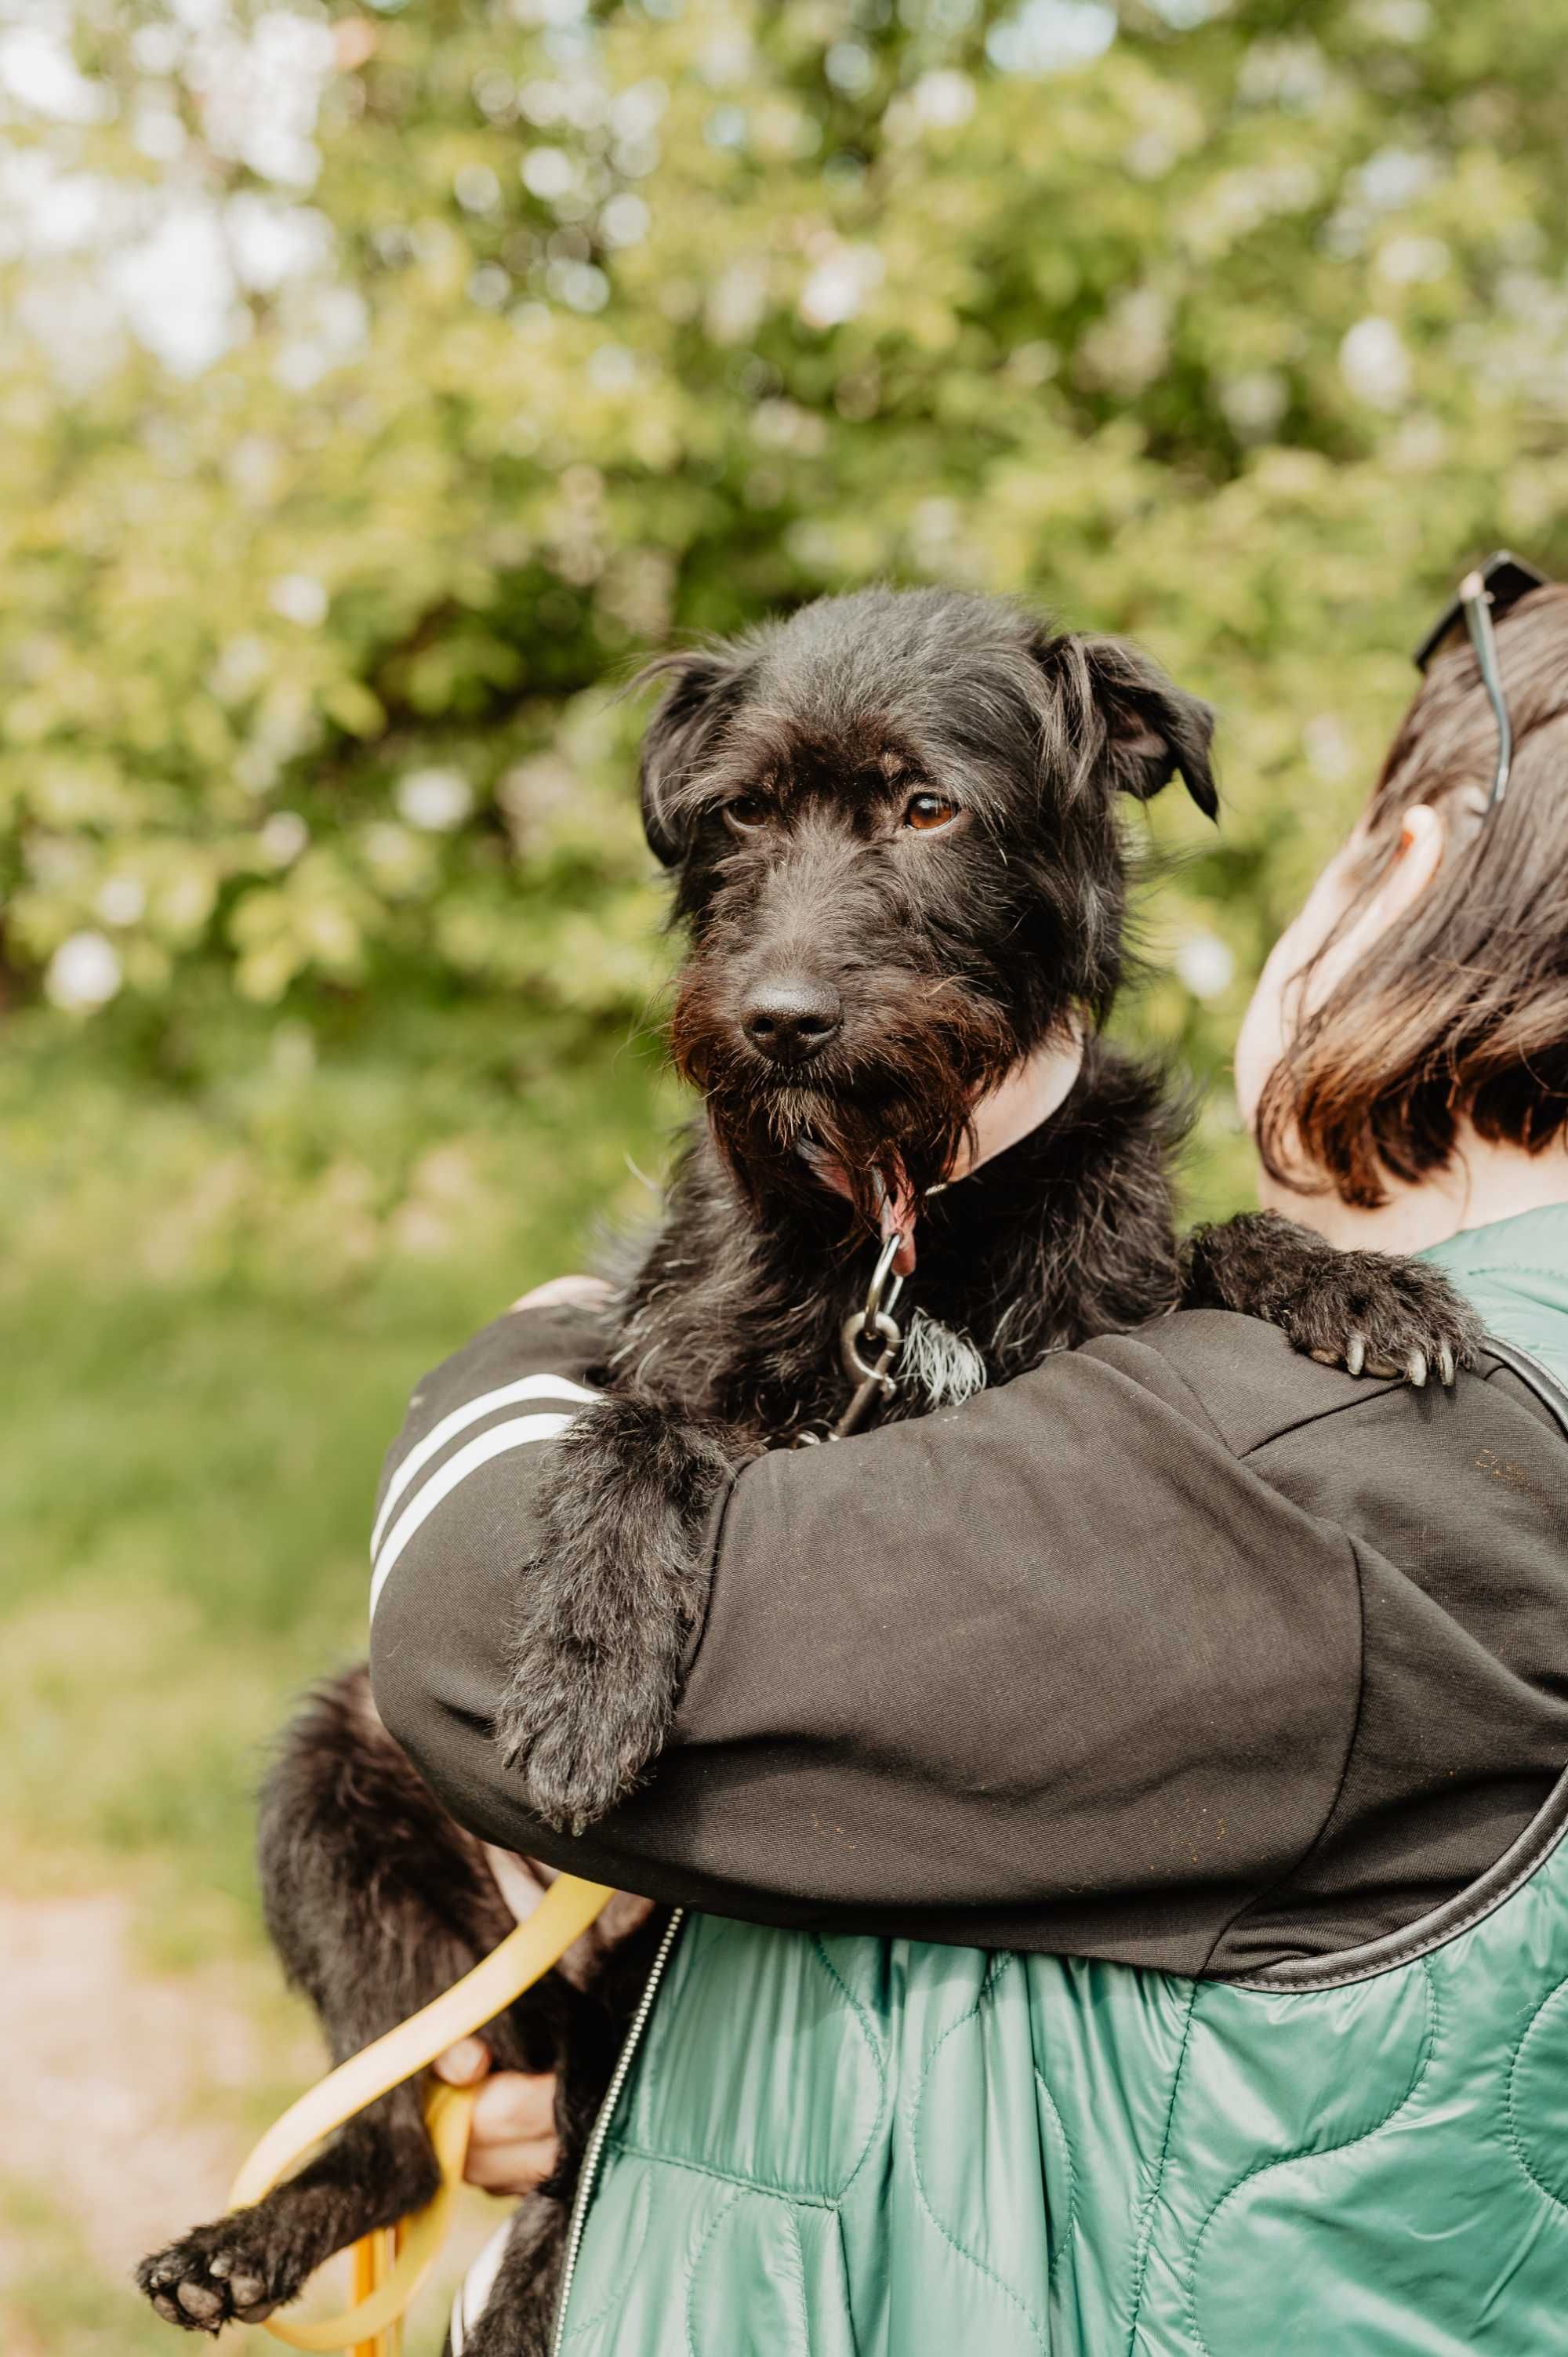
(873, 1329)
(869, 1342)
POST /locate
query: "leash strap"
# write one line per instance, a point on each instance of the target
(524, 1957)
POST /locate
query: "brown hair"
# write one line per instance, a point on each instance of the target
(1462, 1011)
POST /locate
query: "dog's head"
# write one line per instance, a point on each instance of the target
(893, 825)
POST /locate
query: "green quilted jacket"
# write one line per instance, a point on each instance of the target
(856, 2146)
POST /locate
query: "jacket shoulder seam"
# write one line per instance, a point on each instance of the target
(1283, 1881)
(1365, 1390)
(1200, 1412)
(1320, 1415)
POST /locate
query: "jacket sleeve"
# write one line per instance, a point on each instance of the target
(1056, 1657)
(470, 1438)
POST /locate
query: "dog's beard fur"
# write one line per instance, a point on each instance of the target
(907, 1114)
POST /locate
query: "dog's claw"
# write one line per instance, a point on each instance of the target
(1356, 1353)
(1445, 1367)
(1415, 1368)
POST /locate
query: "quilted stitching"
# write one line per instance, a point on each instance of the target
(873, 2047)
(705, 2094)
(998, 1967)
(642, 2203)
(1517, 2131)
(1471, 2047)
(1425, 2052)
(695, 2261)
(627, 2150)
(1062, 2233)
(1146, 2221)
(786, 2246)
(1035, 2325)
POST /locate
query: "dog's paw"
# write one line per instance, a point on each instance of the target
(1365, 1310)
(1375, 1314)
(215, 2275)
(573, 1752)
(608, 1604)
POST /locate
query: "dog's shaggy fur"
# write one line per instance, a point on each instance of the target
(893, 824)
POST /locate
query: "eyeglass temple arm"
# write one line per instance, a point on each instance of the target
(1475, 600)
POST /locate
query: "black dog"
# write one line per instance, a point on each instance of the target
(892, 822)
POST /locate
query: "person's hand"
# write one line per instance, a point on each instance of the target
(512, 2145)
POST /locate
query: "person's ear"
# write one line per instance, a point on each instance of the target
(704, 685)
(1416, 858)
(1418, 855)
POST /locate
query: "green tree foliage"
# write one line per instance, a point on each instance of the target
(377, 388)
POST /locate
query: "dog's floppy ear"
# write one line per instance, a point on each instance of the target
(1154, 728)
(701, 689)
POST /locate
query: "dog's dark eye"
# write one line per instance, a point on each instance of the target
(927, 813)
(745, 814)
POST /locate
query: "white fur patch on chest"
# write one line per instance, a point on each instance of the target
(942, 1367)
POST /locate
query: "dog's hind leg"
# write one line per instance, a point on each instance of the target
(376, 1902)
(519, 2312)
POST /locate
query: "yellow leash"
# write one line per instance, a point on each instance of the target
(389, 2267)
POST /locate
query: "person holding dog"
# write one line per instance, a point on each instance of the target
(1159, 1761)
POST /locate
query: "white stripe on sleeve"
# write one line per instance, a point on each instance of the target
(479, 1451)
(530, 1388)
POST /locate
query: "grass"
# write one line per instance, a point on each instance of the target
(186, 1493)
(211, 1319)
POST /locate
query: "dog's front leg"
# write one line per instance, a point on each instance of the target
(610, 1602)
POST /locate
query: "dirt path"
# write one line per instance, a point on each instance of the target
(117, 2080)
(105, 2068)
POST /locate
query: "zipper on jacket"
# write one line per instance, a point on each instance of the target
(592, 2151)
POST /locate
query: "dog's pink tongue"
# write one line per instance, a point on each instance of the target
(895, 1214)
(897, 1218)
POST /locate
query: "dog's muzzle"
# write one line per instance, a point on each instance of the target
(789, 1021)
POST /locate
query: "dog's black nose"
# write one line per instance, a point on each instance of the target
(790, 1021)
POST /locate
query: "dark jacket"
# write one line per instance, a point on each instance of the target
(1182, 1650)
